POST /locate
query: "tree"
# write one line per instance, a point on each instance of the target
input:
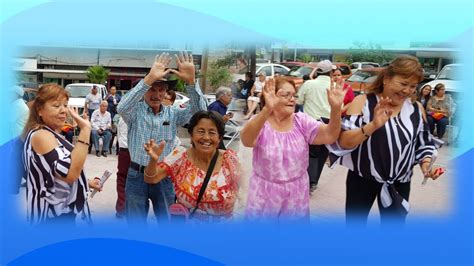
(218, 76)
(306, 58)
(97, 74)
(369, 52)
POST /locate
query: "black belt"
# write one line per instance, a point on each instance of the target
(137, 167)
(123, 149)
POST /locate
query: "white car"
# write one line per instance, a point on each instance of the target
(270, 70)
(449, 77)
(79, 91)
(181, 100)
(361, 65)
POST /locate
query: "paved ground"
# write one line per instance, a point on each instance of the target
(327, 202)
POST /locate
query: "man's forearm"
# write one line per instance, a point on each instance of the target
(196, 98)
(128, 104)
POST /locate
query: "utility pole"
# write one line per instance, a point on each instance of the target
(253, 59)
(203, 73)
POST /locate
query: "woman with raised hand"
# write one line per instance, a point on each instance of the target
(56, 187)
(384, 136)
(279, 187)
(188, 168)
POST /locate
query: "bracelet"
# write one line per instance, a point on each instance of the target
(363, 132)
(427, 160)
(83, 142)
(147, 175)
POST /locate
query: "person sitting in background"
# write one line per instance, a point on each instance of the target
(439, 107)
(424, 95)
(101, 125)
(223, 99)
(254, 97)
(56, 189)
(246, 85)
(187, 169)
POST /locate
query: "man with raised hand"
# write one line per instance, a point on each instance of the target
(147, 118)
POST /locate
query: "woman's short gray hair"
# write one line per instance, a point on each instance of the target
(221, 91)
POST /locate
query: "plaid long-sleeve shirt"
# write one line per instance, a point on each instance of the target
(144, 125)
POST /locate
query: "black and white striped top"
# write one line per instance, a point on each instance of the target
(48, 196)
(392, 151)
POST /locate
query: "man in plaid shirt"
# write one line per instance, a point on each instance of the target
(147, 119)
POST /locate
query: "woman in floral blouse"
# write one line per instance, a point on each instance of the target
(187, 169)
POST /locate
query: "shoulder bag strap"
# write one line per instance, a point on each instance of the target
(205, 182)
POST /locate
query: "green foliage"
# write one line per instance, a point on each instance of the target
(305, 58)
(218, 76)
(369, 53)
(97, 74)
(180, 86)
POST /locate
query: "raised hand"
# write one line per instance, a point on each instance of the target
(382, 112)
(158, 70)
(82, 122)
(269, 94)
(336, 94)
(154, 150)
(186, 70)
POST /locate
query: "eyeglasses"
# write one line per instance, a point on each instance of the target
(288, 96)
(210, 133)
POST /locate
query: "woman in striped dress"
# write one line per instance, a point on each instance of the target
(56, 187)
(384, 136)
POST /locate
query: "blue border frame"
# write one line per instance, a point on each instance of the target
(431, 240)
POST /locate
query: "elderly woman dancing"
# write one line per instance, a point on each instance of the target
(279, 186)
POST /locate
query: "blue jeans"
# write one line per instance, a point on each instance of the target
(440, 125)
(137, 196)
(107, 135)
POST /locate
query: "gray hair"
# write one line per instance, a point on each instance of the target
(221, 91)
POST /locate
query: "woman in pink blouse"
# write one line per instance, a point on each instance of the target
(187, 169)
(279, 186)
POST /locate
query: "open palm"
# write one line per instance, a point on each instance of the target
(82, 122)
(269, 94)
(158, 70)
(154, 150)
(336, 94)
(382, 112)
(186, 70)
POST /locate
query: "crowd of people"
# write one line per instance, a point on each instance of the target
(379, 136)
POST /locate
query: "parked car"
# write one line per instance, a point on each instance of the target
(360, 80)
(310, 69)
(449, 77)
(181, 100)
(270, 70)
(292, 64)
(363, 65)
(79, 91)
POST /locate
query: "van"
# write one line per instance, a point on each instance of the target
(78, 92)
